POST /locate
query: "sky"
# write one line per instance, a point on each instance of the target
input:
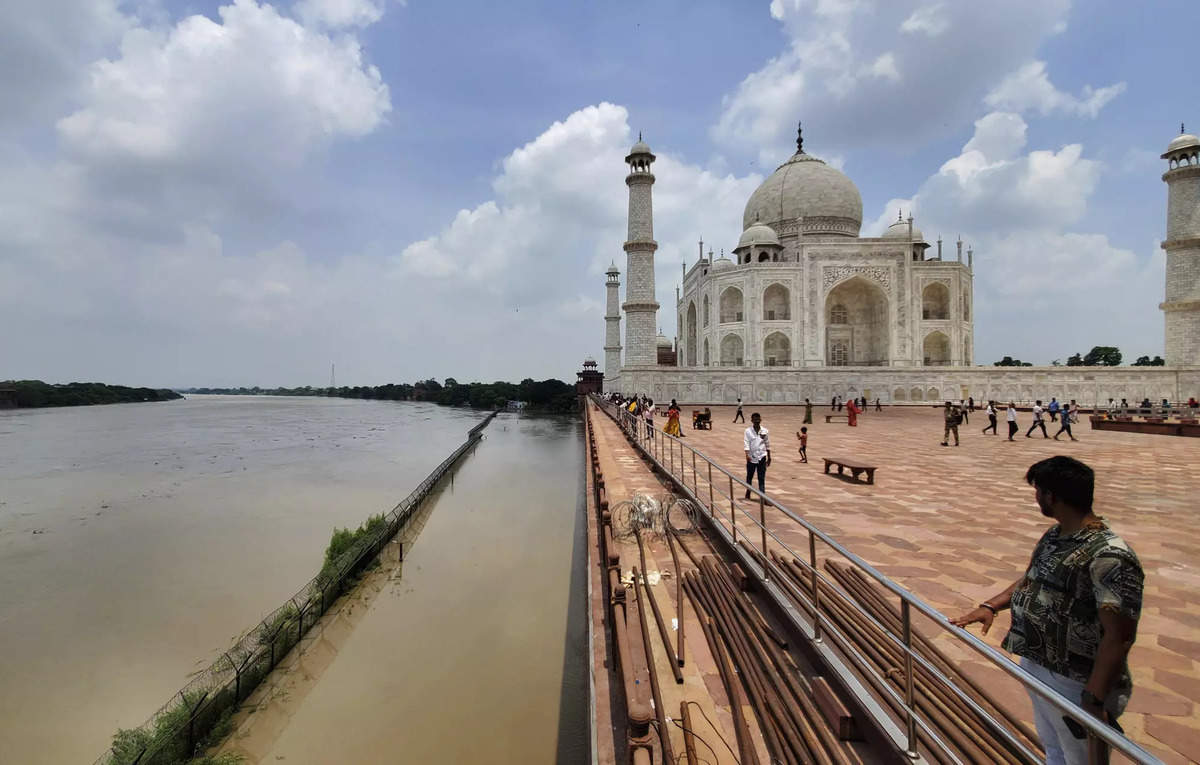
(244, 193)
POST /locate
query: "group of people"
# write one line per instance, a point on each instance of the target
(642, 407)
(1064, 414)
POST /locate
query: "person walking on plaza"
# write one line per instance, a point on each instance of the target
(1075, 611)
(962, 406)
(878, 408)
(649, 412)
(852, 411)
(953, 417)
(758, 453)
(807, 412)
(1011, 414)
(1039, 421)
(971, 403)
(803, 436)
(1053, 407)
(1065, 423)
(991, 415)
(672, 428)
(739, 415)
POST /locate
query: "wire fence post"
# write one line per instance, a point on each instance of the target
(695, 475)
(711, 509)
(732, 512)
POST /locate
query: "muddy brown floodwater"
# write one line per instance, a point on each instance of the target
(136, 541)
(456, 654)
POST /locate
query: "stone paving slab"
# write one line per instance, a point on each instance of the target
(958, 524)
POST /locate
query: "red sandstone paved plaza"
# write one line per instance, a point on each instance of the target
(956, 525)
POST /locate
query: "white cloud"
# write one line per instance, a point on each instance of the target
(336, 14)
(831, 72)
(254, 88)
(1017, 208)
(928, 19)
(1029, 89)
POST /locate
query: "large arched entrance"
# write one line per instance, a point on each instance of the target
(732, 351)
(691, 334)
(777, 350)
(856, 324)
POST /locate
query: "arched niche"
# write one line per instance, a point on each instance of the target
(777, 303)
(936, 349)
(916, 394)
(706, 360)
(691, 334)
(706, 311)
(730, 305)
(935, 301)
(777, 350)
(966, 309)
(857, 331)
(733, 353)
(899, 394)
(932, 394)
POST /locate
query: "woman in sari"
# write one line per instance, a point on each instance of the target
(672, 428)
(852, 411)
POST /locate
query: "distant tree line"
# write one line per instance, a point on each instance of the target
(542, 396)
(1098, 356)
(35, 393)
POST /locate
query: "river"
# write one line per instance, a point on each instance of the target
(136, 541)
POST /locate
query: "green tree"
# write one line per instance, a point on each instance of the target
(1146, 361)
(1075, 360)
(1009, 361)
(1102, 356)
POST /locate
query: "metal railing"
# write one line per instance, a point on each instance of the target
(705, 480)
(183, 725)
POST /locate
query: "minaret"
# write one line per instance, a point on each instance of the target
(641, 309)
(1181, 309)
(612, 327)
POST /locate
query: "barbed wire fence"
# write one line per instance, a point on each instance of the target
(185, 725)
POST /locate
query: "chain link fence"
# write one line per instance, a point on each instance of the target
(194, 717)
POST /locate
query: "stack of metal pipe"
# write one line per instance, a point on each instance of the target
(746, 647)
(969, 736)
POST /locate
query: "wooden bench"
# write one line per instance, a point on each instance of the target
(853, 467)
(831, 417)
(701, 421)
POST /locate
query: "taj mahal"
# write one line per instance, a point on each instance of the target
(805, 307)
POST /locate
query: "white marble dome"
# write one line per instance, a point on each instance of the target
(805, 187)
(758, 234)
(664, 342)
(722, 263)
(899, 230)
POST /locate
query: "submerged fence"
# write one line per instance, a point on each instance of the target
(186, 723)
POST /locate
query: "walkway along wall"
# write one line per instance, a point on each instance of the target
(899, 385)
(181, 727)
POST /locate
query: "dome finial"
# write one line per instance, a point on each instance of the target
(1180, 128)
(799, 137)
(899, 214)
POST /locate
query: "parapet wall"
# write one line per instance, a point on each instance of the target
(891, 385)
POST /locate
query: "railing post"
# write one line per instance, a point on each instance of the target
(762, 521)
(695, 475)
(732, 512)
(906, 621)
(812, 562)
(711, 509)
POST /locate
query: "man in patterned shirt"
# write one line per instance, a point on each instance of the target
(1074, 612)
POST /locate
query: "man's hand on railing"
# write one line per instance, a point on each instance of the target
(981, 615)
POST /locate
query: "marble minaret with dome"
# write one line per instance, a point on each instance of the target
(806, 307)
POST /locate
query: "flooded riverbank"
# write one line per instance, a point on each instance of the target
(137, 541)
(460, 653)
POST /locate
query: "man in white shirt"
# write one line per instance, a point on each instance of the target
(1012, 420)
(758, 452)
(1038, 422)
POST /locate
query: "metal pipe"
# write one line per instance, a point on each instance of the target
(678, 592)
(762, 521)
(662, 626)
(689, 740)
(636, 707)
(655, 690)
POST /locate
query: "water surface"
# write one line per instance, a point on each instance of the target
(137, 540)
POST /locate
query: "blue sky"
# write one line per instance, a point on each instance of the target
(244, 192)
